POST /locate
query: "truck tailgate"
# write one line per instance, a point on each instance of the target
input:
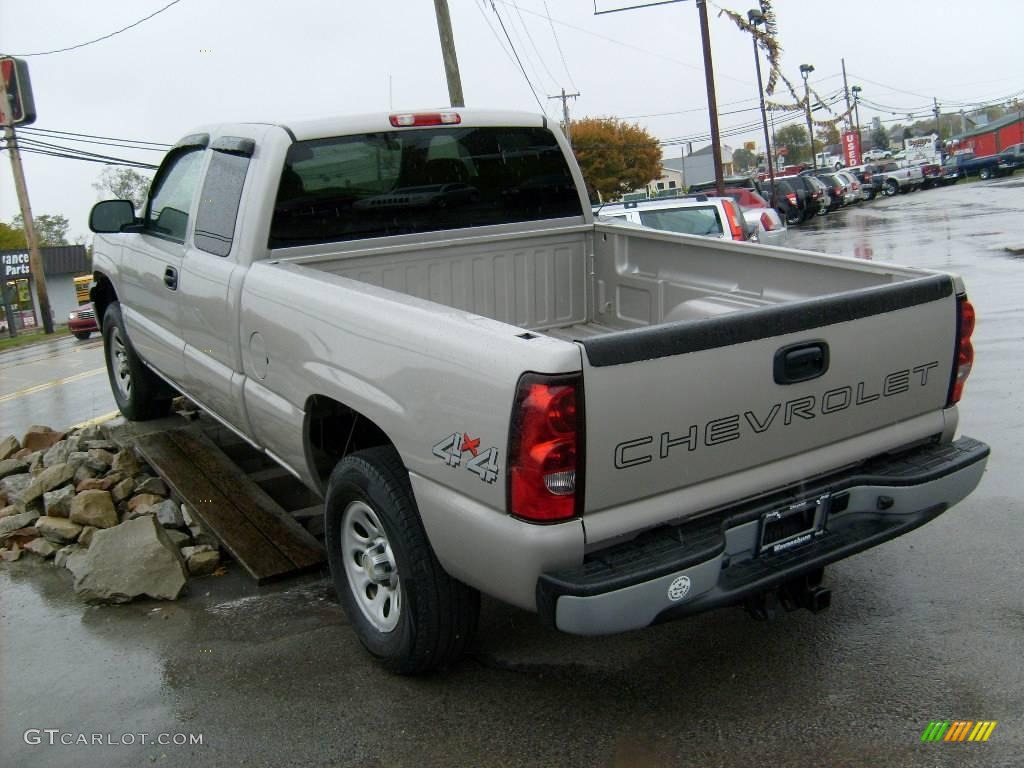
(677, 404)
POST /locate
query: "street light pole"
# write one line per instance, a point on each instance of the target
(757, 17)
(805, 70)
(856, 108)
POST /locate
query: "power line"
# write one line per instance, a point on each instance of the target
(26, 143)
(93, 136)
(497, 38)
(533, 44)
(558, 45)
(98, 39)
(128, 163)
(120, 145)
(518, 60)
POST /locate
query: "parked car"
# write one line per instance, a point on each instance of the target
(967, 164)
(790, 197)
(1013, 156)
(869, 186)
(876, 154)
(894, 179)
(764, 220)
(82, 321)
(719, 217)
(820, 193)
(836, 189)
(853, 186)
(607, 425)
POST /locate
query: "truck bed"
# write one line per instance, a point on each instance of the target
(582, 282)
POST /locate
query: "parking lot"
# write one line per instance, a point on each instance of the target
(927, 627)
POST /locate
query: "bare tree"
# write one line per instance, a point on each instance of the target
(124, 184)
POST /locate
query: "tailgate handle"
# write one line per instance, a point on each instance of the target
(801, 362)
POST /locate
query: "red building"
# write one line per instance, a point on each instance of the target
(992, 138)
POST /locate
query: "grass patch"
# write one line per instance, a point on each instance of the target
(28, 338)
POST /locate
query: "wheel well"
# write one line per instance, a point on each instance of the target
(102, 294)
(333, 431)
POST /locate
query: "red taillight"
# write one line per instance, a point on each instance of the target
(545, 461)
(767, 223)
(735, 223)
(413, 119)
(791, 196)
(964, 349)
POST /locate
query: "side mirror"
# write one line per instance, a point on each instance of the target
(111, 216)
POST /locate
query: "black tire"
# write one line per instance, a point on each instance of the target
(438, 614)
(985, 173)
(891, 187)
(792, 216)
(144, 396)
(83, 335)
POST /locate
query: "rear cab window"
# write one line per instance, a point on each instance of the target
(424, 180)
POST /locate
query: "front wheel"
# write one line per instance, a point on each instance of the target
(83, 335)
(139, 393)
(891, 187)
(405, 609)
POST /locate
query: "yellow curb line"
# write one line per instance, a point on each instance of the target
(51, 384)
(95, 422)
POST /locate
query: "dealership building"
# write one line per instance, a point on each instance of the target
(20, 299)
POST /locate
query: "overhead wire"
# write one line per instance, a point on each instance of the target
(558, 45)
(533, 44)
(34, 128)
(98, 39)
(516, 54)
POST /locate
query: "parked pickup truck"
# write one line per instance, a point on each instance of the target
(611, 426)
(968, 164)
(894, 178)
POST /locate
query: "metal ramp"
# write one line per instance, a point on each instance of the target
(261, 535)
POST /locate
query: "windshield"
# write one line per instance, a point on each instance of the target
(401, 182)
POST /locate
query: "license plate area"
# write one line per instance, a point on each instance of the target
(791, 526)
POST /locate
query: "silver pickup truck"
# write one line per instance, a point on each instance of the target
(417, 315)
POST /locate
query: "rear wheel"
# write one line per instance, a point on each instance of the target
(405, 609)
(985, 173)
(139, 393)
(83, 335)
(791, 215)
(891, 187)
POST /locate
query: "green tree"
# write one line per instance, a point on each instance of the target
(744, 158)
(123, 184)
(794, 139)
(51, 229)
(615, 157)
(880, 138)
(12, 238)
(827, 136)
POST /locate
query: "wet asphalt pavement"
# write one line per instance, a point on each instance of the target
(929, 626)
(59, 383)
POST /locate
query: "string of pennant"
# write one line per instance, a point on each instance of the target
(767, 41)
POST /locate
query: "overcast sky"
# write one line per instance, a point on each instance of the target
(205, 61)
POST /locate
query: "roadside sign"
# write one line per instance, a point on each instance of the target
(21, 107)
(851, 148)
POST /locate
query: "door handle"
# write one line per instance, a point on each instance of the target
(171, 278)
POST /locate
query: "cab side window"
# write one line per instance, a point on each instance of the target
(218, 204)
(173, 190)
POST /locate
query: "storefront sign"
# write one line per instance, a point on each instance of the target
(14, 265)
(851, 148)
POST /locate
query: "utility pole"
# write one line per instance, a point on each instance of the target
(846, 91)
(35, 257)
(709, 77)
(938, 125)
(451, 61)
(565, 113)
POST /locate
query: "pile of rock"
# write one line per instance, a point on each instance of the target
(94, 508)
